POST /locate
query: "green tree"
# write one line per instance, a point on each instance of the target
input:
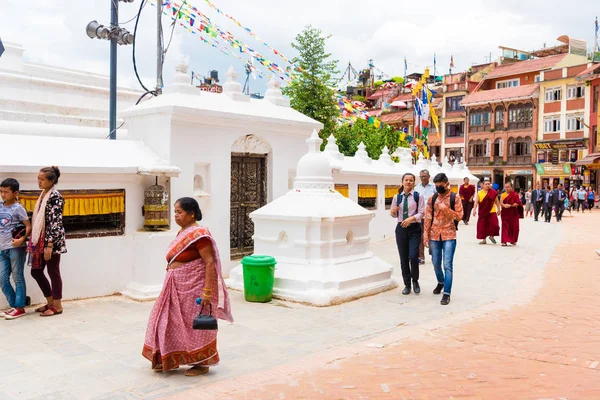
(349, 137)
(311, 92)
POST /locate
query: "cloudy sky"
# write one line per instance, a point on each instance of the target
(386, 31)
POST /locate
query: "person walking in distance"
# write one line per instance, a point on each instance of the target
(407, 208)
(548, 203)
(591, 197)
(512, 211)
(467, 194)
(581, 199)
(528, 204)
(559, 197)
(441, 217)
(537, 199)
(425, 190)
(489, 208)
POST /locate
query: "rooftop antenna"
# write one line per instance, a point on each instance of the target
(250, 70)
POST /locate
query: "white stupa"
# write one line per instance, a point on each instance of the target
(319, 238)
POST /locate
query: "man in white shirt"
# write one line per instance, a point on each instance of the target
(425, 190)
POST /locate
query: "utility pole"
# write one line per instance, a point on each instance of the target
(116, 35)
(159, 50)
(112, 113)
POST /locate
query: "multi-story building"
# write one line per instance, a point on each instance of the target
(563, 134)
(503, 116)
(453, 119)
(589, 166)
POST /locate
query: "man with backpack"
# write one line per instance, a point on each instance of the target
(441, 220)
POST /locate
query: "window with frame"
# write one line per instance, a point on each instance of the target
(454, 154)
(499, 118)
(520, 116)
(453, 103)
(574, 123)
(390, 192)
(573, 155)
(499, 148)
(519, 147)
(478, 149)
(552, 94)
(507, 83)
(479, 120)
(563, 155)
(541, 157)
(367, 196)
(552, 125)
(87, 213)
(595, 99)
(575, 92)
(455, 129)
(537, 78)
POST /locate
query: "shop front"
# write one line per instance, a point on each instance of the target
(554, 174)
(521, 179)
(590, 168)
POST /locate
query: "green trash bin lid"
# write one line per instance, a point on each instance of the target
(259, 261)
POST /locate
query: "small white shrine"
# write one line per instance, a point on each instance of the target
(319, 238)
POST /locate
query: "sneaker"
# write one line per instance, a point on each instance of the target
(4, 313)
(438, 288)
(445, 300)
(15, 313)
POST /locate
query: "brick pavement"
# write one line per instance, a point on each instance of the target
(548, 348)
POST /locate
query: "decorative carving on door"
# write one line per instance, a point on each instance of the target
(248, 193)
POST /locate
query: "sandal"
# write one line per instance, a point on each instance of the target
(54, 312)
(42, 309)
(492, 240)
(196, 370)
(504, 245)
(483, 242)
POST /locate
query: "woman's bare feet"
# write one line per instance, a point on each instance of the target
(196, 370)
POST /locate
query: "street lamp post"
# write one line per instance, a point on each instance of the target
(116, 35)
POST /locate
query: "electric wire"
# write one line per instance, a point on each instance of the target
(134, 17)
(137, 20)
(117, 128)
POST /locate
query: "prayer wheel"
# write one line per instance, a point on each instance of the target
(156, 207)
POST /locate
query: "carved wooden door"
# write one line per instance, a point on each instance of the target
(248, 193)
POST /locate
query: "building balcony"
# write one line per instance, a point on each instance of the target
(499, 161)
(514, 126)
(455, 135)
(520, 160)
(456, 87)
(478, 161)
(479, 128)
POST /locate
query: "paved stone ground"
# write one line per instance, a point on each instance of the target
(93, 350)
(548, 348)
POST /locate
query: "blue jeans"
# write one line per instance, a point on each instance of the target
(12, 261)
(443, 249)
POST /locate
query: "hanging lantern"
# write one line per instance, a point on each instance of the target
(156, 207)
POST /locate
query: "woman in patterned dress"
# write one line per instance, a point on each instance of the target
(47, 242)
(193, 270)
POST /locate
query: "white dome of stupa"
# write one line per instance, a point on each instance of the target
(314, 168)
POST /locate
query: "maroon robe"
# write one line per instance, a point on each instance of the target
(467, 197)
(510, 218)
(487, 224)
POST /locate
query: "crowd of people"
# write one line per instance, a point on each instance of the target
(428, 216)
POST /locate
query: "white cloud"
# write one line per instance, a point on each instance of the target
(386, 31)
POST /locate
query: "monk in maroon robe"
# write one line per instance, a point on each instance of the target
(489, 207)
(512, 211)
(467, 196)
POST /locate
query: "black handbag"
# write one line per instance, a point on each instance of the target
(205, 322)
(19, 231)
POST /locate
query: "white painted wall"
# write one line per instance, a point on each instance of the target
(96, 266)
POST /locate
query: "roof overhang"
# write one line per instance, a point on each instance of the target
(593, 158)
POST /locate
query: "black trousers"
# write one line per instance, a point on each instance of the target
(408, 240)
(560, 209)
(537, 206)
(547, 212)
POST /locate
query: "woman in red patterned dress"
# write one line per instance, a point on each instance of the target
(194, 270)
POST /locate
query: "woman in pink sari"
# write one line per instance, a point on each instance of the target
(194, 270)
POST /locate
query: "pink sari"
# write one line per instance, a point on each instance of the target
(170, 339)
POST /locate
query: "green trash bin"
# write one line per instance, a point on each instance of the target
(259, 274)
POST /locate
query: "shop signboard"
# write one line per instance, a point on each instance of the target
(553, 169)
(519, 172)
(561, 145)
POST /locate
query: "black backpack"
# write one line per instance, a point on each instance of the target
(452, 204)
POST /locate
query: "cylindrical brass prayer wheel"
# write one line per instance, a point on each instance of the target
(156, 208)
